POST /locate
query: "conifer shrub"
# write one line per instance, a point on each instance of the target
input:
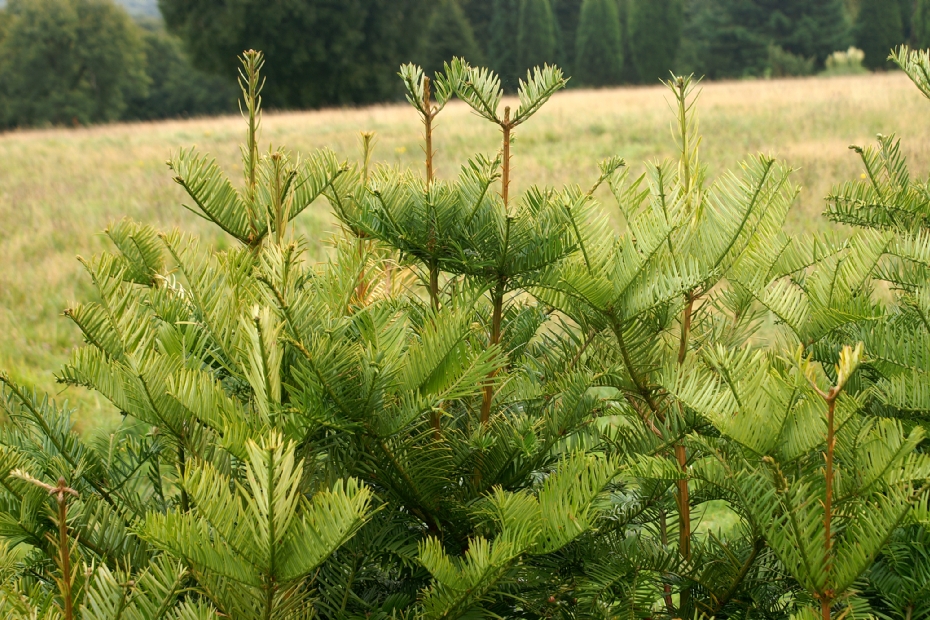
(485, 404)
(599, 47)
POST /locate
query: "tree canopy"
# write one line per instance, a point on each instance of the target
(599, 47)
(68, 61)
(655, 34)
(879, 28)
(537, 39)
(324, 52)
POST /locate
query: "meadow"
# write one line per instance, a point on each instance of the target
(59, 188)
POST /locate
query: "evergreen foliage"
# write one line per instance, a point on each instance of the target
(502, 49)
(921, 24)
(321, 52)
(449, 35)
(907, 8)
(655, 34)
(486, 404)
(68, 61)
(812, 29)
(879, 28)
(175, 87)
(732, 38)
(567, 14)
(537, 38)
(479, 14)
(599, 52)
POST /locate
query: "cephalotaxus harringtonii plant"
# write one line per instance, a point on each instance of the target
(485, 405)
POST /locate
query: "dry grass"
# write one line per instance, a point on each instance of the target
(59, 188)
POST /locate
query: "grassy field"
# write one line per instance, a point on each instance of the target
(59, 188)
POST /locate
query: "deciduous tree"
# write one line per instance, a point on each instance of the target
(68, 61)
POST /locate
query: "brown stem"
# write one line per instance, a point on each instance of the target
(428, 115)
(496, 317)
(498, 295)
(685, 328)
(434, 286)
(435, 420)
(64, 551)
(60, 493)
(182, 467)
(506, 127)
(280, 223)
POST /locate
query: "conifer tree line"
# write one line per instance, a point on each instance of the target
(487, 404)
(83, 61)
(597, 42)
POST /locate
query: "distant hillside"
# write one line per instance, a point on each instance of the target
(136, 8)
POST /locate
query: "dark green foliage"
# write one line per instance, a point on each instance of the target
(629, 73)
(721, 42)
(175, 87)
(731, 38)
(320, 52)
(490, 405)
(599, 51)
(479, 15)
(908, 8)
(809, 28)
(536, 35)
(921, 25)
(786, 64)
(900, 579)
(68, 61)
(567, 13)
(449, 35)
(655, 33)
(879, 28)
(502, 48)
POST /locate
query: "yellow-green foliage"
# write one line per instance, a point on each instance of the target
(59, 188)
